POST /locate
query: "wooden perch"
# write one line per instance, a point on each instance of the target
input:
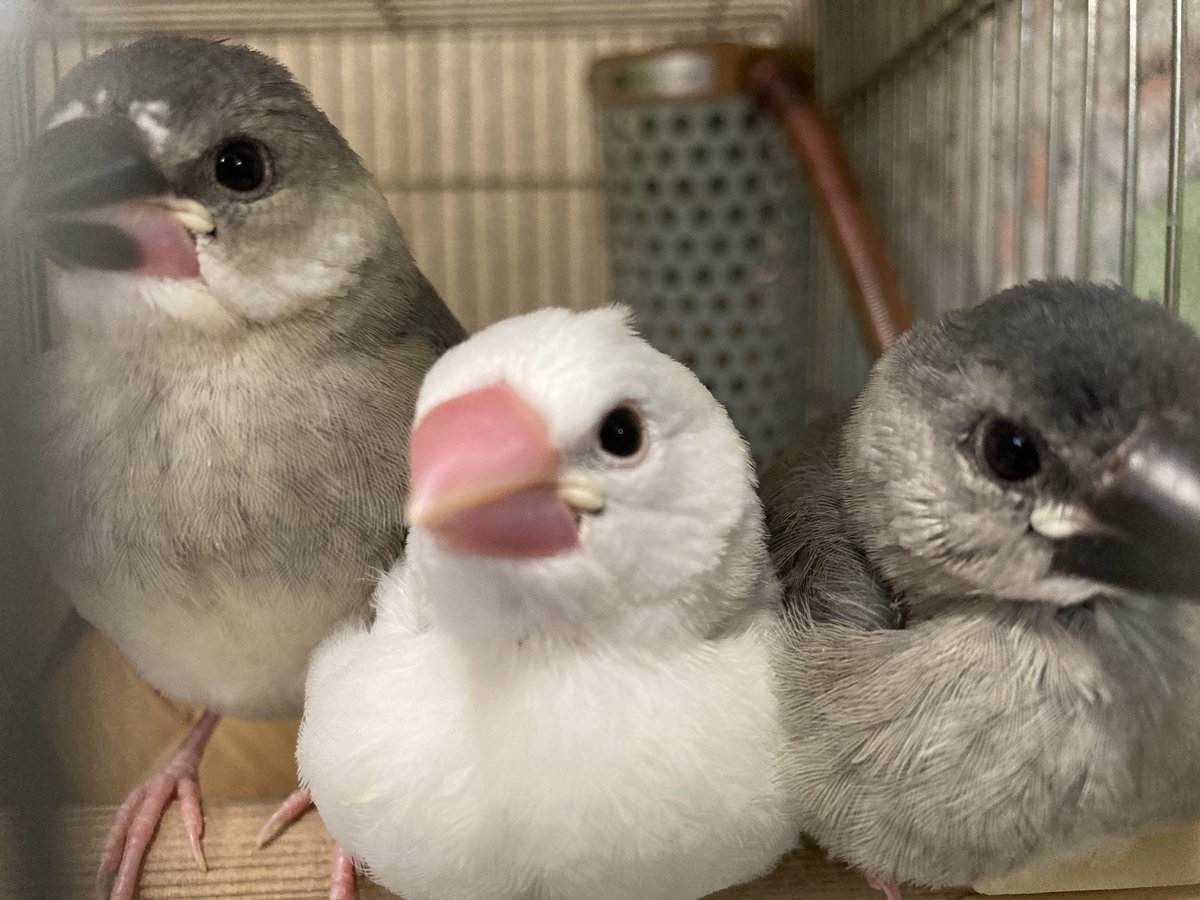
(296, 865)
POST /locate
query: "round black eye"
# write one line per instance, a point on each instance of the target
(621, 433)
(1009, 451)
(241, 166)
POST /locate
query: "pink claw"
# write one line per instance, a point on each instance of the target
(296, 805)
(136, 821)
(890, 889)
(341, 879)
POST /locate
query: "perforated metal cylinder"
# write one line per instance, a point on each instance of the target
(708, 235)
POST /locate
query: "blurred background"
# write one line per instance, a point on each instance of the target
(994, 141)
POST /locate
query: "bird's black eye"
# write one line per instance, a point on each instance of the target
(1008, 450)
(242, 166)
(621, 433)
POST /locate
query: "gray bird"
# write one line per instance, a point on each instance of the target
(992, 569)
(221, 431)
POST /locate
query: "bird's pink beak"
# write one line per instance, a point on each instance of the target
(163, 229)
(485, 478)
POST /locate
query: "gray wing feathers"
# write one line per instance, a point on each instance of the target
(826, 577)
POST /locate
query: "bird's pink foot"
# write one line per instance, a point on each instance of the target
(890, 889)
(341, 879)
(296, 805)
(136, 821)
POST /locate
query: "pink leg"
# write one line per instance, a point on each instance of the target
(341, 879)
(890, 889)
(137, 819)
(296, 805)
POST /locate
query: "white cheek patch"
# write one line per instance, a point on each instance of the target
(276, 284)
(149, 118)
(69, 113)
(1067, 590)
(1059, 521)
(100, 300)
(184, 299)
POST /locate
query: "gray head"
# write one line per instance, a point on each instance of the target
(1044, 445)
(197, 179)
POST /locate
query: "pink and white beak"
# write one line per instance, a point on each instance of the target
(486, 479)
(162, 230)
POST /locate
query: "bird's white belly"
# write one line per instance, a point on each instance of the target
(574, 778)
(243, 653)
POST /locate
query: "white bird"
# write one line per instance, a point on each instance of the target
(567, 690)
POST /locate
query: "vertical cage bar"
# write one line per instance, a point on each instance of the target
(908, 197)
(1087, 134)
(901, 151)
(948, 202)
(890, 93)
(1175, 161)
(1129, 177)
(974, 187)
(921, 175)
(958, 96)
(22, 273)
(813, 288)
(1050, 259)
(994, 158)
(896, 79)
(925, 181)
(880, 160)
(1019, 159)
(37, 285)
(820, 362)
(880, 153)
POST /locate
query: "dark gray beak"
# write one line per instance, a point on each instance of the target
(83, 165)
(1147, 504)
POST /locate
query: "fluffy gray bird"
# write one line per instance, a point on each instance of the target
(222, 429)
(991, 572)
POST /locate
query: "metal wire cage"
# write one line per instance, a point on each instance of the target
(1007, 139)
(996, 140)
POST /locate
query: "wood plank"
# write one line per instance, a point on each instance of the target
(295, 866)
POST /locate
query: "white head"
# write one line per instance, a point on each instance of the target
(568, 479)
